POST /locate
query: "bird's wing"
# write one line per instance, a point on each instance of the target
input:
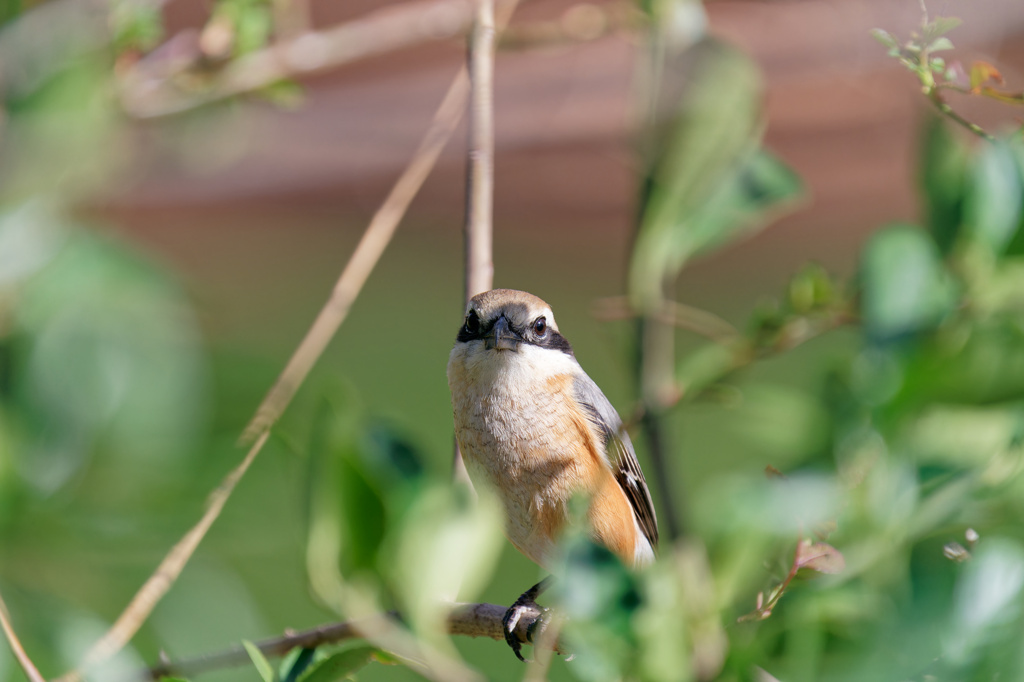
(620, 453)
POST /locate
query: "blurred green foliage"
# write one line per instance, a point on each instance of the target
(707, 181)
(904, 454)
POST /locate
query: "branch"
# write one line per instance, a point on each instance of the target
(31, 672)
(687, 317)
(470, 620)
(935, 97)
(580, 23)
(160, 85)
(793, 333)
(744, 351)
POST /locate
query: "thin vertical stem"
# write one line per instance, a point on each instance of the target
(479, 226)
(657, 388)
(480, 178)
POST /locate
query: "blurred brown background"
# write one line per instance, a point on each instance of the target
(259, 207)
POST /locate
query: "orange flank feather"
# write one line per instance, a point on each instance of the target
(610, 513)
(611, 519)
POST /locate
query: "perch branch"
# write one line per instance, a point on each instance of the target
(470, 620)
(31, 672)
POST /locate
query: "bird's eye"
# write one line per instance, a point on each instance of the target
(540, 326)
(472, 322)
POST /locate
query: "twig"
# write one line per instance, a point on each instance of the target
(790, 335)
(580, 23)
(935, 97)
(363, 260)
(31, 672)
(744, 352)
(470, 620)
(149, 90)
(766, 606)
(918, 59)
(687, 317)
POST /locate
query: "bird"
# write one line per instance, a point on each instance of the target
(535, 429)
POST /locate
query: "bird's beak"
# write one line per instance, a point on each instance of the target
(502, 337)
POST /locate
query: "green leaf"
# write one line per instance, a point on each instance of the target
(347, 511)
(284, 93)
(340, 665)
(9, 9)
(253, 26)
(299, 665)
(987, 599)
(784, 423)
(1016, 245)
(995, 198)
(691, 162)
(943, 178)
(763, 188)
(68, 121)
(597, 586)
(110, 352)
(940, 44)
(390, 459)
(668, 615)
(263, 666)
(31, 234)
(698, 370)
(810, 289)
(938, 27)
(986, 368)
(600, 597)
(906, 288)
(447, 548)
(136, 25)
(885, 38)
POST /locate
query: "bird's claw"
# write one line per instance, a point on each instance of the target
(526, 607)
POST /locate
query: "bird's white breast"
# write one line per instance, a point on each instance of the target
(514, 421)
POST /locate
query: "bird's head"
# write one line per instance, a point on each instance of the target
(505, 326)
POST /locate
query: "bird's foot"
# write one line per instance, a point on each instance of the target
(525, 610)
